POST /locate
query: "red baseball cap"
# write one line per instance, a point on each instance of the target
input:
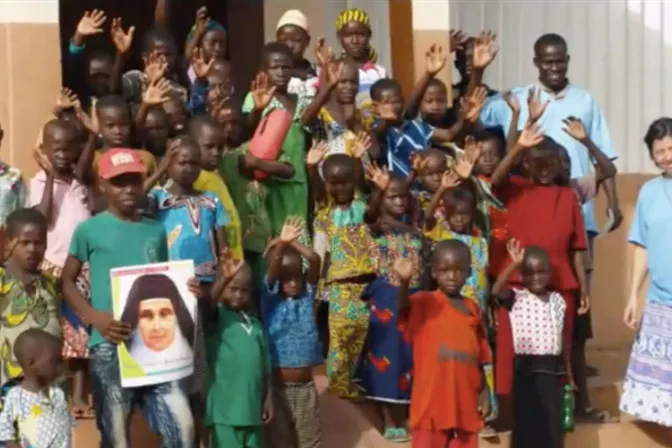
(118, 161)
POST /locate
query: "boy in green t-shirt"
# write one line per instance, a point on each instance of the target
(239, 401)
(120, 237)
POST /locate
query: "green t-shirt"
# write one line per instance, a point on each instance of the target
(239, 361)
(287, 197)
(249, 197)
(107, 242)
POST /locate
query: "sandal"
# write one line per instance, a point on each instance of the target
(487, 432)
(592, 415)
(390, 434)
(78, 412)
(402, 436)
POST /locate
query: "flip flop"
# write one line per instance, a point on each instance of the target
(401, 436)
(390, 434)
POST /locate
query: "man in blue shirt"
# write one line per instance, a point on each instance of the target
(561, 100)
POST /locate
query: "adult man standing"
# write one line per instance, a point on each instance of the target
(561, 100)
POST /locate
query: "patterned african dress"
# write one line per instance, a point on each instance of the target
(12, 191)
(386, 365)
(343, 233)
(21, 310)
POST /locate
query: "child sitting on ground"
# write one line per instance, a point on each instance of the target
(287, 309)
(35, 412)
(451, 356)
(31, 298)
(239, 401)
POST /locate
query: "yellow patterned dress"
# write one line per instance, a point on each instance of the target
(351, 261)
(20, 311)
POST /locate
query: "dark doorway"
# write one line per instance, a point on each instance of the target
(242, 19)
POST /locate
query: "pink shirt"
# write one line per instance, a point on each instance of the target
(72, 205)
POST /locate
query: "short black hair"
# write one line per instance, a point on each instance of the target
(339, 160)
(22, 217)
(101, 55)
(436, 82)
(547, 146)
(31, 340)
(60, 124)
(547, 40)
(535, 252)
(657, 130)
(184, 140)
(382, 85)
(276, 48)
(491, 134)
(452, 245)
(460, 195)
(158, 33)
(197, 123)
(112, 102)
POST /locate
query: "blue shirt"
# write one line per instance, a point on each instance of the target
(191, 223)
(651, 229)
(290, 326)
(399, 143)
(197, 99)
(573, 101)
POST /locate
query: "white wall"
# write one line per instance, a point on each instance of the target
(322, 16)
(621, 51)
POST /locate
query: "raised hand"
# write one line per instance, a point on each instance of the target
(470, 106)
(386, 112)
(291, 229)
(464, 165)
(534, 105)
(66, 99)
(512, 102)
(418, 162)
(516, 252)
(575, 128)
(377, 176)
(324, 55)
(458, 39)
(333, 72)
(157, 92)
(317, 153)
(484, 50)
(201, 68)
(201, 21)
(228, 267)
(91, 23)
(155, 66)
(122, 40)
(404, 269)
(436, 58)
(262, 91)
(450, 179)
(42, 161)
(90, 123)
(530, 136)
(361, 145)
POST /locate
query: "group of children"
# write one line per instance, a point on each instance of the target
(403, 245)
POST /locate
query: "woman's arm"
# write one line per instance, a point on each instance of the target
(639, 274)
(272, 168)
(580, 272)
(403, 300)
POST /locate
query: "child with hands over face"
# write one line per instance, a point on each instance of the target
(537, 316)
(239, 401)
(451, 357)
(287, 309)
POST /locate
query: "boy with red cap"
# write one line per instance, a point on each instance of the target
(120, 236)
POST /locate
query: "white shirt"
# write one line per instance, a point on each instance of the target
(537, 325)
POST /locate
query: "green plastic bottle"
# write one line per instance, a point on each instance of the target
(568, 409)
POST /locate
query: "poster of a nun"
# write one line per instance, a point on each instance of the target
(154, 300)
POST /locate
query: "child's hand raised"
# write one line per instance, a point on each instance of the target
(201, 21)
(262, 91)
(361, 145)
(42, 161)
(470, 106)
(291, 229)
(91, 23)
(333, 72)
(516, 252)
(534, 105)
(201, 68)
(156, 92)
(450, 179)
(66, 99)
(575, 128)
(404, 269)
(512, 102)
(324, 55)
(155, 66)
(530, 136)
(458, 39)
(484, 50)
(379, 177)
(122, 40)
(418, 162)
(465, 162)
(317, 153)
(228, 267)
(436, 58)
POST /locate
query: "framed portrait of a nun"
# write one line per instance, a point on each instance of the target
(154, 300)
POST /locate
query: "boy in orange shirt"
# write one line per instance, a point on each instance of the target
(452, 385)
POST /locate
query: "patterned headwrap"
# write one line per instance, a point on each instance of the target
(356, 15)
(210, 25)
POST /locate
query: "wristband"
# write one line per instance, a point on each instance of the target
(74, 49)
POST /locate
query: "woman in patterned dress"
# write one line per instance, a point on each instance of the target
(647, 390)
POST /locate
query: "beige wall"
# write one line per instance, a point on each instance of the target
(431, 25)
